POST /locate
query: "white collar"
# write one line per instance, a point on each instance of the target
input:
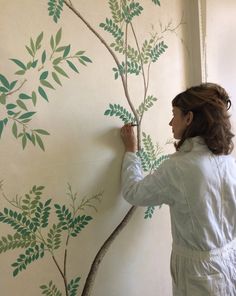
(195, 143)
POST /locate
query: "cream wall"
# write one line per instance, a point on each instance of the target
(221, 47)
(84, 147)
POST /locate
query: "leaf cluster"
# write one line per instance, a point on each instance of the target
(73, 286)
(157, 2)
(19, 222)
(121, 112)
(50, 290)
(29, 203)
(15, 241)
(129, 11)
(146, 104)
(18, 111)
(115, 11)
(112, 28)
(149, 154)
(55, 8)
(149, 212)
(129, 67)
(27, 223)
(68, 222)
(41, 214)
(32, 217)
(158, 50)
(150, 160)
(54, 237)
(124, 12)
(31, 254)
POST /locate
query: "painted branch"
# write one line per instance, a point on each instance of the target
(12, 92)
(139, 51)
(87, 290)
(65, 264)
(103, 250)
(75, 11)
(62, 275)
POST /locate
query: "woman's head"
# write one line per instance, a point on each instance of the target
(204, 113)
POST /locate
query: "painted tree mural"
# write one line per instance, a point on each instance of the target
(29, 216)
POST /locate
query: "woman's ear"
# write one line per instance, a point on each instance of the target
(189, 118)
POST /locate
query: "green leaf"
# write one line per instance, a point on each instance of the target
(38, 40)
(29, 65)
(85, 59)
(10, 106)
(43, 58)
(57, 61)
(24, 141)
(19, 63)
(12, 85)
(14, 129)
(72, 66)
(21, 105)
(11, 113)
(52, 43)
(79, 53)
(1, 127)
(47, 84)
(34, 98)
(32, 45)
(3, 99)
(44, 75)
(42, 93)
(56, 78)
(34, 64)
(41, 131)
(61, 71)
(3, 89)
(66, 51)
(40, 142)
(26, 115)
(61, 48)
(20, 72)
(58, 36)
(4, 81)
(23, 96)
(29, 51)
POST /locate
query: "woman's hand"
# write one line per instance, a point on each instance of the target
(128, 137)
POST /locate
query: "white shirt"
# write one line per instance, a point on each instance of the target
(198, 186)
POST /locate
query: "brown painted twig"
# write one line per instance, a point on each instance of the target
(78, 14)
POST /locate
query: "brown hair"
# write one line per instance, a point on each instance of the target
(209, 103)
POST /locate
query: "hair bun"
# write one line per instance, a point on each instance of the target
(221, 93)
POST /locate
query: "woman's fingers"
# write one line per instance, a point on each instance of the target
(128, 137)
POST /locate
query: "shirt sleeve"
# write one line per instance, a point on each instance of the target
(151, 190)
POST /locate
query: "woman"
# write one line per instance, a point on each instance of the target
(198, 182)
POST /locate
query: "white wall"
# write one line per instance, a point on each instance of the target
(221, 47)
